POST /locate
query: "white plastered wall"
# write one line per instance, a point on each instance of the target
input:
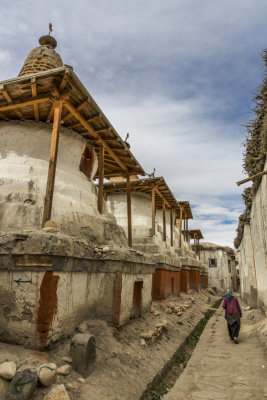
(24, 157)
(253, 266)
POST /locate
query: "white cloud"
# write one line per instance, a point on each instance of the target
(177, 75)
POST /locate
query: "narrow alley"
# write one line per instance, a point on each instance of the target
(219, 369)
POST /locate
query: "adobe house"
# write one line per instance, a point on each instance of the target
(221, 264)
(63, 256)
(151, 226)
(191, 265)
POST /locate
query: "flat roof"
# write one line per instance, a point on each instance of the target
(145, 185)
(33, 97)
(196, 232)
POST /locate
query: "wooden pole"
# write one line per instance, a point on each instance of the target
(180, 228)
(129, 211)
(171, 225)
(52, 163)
(101, 178)
(258, 175)
(153, 212)
(186, 229)
(164, 220)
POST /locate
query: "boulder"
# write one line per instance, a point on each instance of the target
(22, 385)
(83, 353)
(57, 393)
(8, 370)
(47, 374)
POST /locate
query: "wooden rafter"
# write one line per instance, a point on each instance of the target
(36, 100)
(162, 197)
(34, 94)
(88, 127)
(10, 101)
(79, 108)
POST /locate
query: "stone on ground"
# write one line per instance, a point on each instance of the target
(83, 354)
(4, 385)
(47, 374)
(64, 369)
(22, 385)
(57, 393)
(7, 370)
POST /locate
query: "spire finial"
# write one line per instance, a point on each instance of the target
(50, 28)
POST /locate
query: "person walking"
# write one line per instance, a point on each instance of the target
(233, 314)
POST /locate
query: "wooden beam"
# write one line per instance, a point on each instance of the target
(38, 99)
(92, 119)
(52, 163)
(10, 101)
(171, 228)
(79, 108)
(129, 211)
(34, 94)
(63, 82)
(153, 212)
(258, 175)
(101, 178)
(88, 127)
(51, 112)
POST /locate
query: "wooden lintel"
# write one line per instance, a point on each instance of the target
(88, 127)
(129, 210)
(101, 178)
(34, 94)
(52, 163)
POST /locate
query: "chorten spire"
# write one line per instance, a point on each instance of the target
(43, 57)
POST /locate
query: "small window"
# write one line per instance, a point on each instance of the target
(212, 262)
(87, 162)
(229, 266)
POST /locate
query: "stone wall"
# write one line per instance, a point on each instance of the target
(49, 284)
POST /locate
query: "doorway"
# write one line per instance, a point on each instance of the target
(137, 299)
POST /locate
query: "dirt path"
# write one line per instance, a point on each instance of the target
(221, 370)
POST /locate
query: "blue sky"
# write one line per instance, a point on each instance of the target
(179, 76)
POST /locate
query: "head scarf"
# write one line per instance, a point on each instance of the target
(229, 294)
